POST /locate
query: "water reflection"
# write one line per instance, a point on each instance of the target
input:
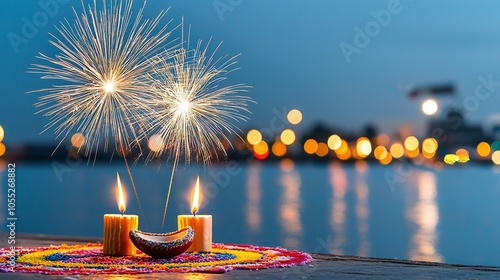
(290, 203)
(424, 213)
(253, 190)
(362, 211)
(338, 182)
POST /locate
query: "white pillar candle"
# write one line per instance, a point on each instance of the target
(201, 224)
(116, 228)
(116, 234)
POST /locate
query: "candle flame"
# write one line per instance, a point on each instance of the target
(196, 197)
(121, 197)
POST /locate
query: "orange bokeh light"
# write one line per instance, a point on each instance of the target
(412, 153)
(483, 149)
(279, 149)
(380, 152)
(386, 160)
(344, 156)
(322, 149)
(462, 154)
(261, 148)
(77, 140)
(311, 146)
(344, 147)
(397, 150)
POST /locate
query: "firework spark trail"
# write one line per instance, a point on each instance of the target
(103, 61)
(191, 110)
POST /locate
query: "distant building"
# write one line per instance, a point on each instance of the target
(454, 131)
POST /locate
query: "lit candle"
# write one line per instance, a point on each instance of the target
(201, 224)
(116, 229)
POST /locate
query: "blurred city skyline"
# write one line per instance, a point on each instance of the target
(345, 64)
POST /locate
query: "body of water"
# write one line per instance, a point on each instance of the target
(398, 211)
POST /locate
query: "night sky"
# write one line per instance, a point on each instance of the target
(292, 57)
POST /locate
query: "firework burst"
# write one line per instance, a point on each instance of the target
(192, 112)
(103, 60)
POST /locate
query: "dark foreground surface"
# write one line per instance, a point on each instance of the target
(323, 267)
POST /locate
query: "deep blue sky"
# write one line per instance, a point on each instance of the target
(291, 57)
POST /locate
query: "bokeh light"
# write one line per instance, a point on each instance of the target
(495, 157)
(380, 152)
(397, 150)
(386, 160)
(412, 153)
(156, 143)
(287, 137)
(254, 137)
(344, 148)
(261, 148)
(261, 157)
(383, 140)
(3, 165)
(495, 146)
(428, 155)
(77, 140)
(363, 147)
(411, 143)
(483, 149)
(2, 133)
(294, 116)
(279, 149)
(322, 149)
(429, 107)
(310, 146)
(2, 149)
(450, 159)
(344, 155)
(462, 154)
(354, 151)
(334, 142)
(429, 146)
